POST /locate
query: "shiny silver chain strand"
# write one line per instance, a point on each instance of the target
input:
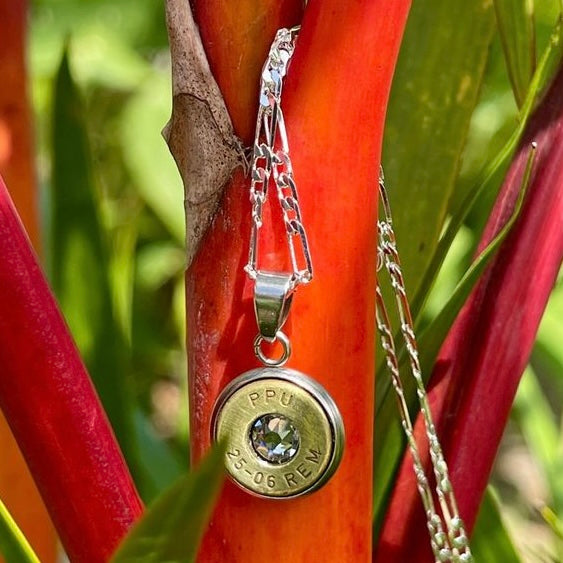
(451, 545)
(271, 160)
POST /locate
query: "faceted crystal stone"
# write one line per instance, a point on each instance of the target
(274, 438)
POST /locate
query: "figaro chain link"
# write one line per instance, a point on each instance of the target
(451, 544)
(271, 161)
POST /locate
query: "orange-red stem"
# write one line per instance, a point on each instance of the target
(17, 164)
(16, 141)
(334, 104)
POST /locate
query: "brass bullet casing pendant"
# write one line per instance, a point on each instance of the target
(284, 433)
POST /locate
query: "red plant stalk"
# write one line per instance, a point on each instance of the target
(334, 105)
(52, 408)
(480, 364)
(17, 488)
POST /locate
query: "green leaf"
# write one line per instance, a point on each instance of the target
(435, 89)
(554, 523)
(432, 337)
(146, 154)
(160, 466)
(493, 173)
(515, 19)
(13, 544)
(390, 443)
(121, 273)
(490, 542)
(172, 527)
(537, 423)
(80, 261)
(95, 288)
(552, 56)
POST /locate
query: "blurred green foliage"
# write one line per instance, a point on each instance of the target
(79, 260)
(113, 216)
(491, 543)
(170, 530)
(13, 544)
(112, 211)
(517, 32)
(440, 207)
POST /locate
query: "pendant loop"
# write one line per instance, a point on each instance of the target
(273, 362)
(272, 300)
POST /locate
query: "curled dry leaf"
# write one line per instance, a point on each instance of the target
(200, 133)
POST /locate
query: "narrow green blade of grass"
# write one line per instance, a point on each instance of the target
(14, 547)
(172, 527)
(536, 420)
(553, 54)
(80, 260)
(432, 337)
(515, 21)
(490, 542)
(553, 522)
(121, 271)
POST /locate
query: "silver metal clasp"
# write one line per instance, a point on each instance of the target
(273, 294)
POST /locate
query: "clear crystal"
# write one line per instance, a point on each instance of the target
(274, 438)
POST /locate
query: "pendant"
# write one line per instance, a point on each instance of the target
(284, 433)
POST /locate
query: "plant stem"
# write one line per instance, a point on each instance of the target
(16, 139)
(334, 105)
(53, 410)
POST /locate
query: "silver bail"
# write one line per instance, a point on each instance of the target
(273, 294)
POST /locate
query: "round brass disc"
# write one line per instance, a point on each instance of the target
(299, 400)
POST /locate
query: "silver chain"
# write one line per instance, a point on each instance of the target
(271, 161)
(452, 544)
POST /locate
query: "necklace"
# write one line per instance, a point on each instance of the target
(453, 543)
(284, 432)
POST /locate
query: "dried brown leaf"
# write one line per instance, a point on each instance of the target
(200, 133)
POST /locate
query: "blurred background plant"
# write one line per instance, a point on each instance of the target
(112, 220)
(112, 213)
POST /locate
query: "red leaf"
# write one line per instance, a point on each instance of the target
(480, 364)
